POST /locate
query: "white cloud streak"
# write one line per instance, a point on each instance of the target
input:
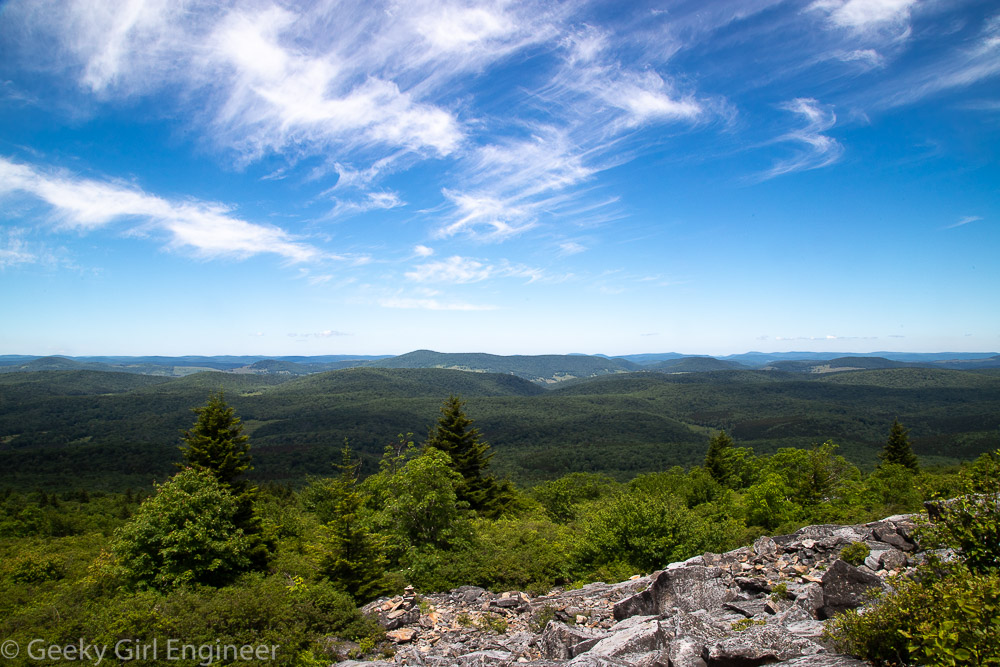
(964, 221)
(374, 87)
(429, 304)
(861, 15)
(961, 68)
(817, 149)
(207, 228)
(461, 270)
(372, 201)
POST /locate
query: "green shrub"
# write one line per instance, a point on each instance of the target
(766, 502)
(641, 532)
(562, 497)
(186, 533)
(780, 592)
(855, 553)
(541, 618)
(525, 554)
(746, 624)
(937, 619)
(492, 623)
(32, 569)
(970, 524)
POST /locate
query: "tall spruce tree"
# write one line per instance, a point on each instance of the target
(216, 443)
(352, 556)
(897, 448)
(717, 460)
(470, 456)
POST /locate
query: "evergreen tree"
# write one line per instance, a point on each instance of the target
(216, 443)
(897, 448)
(470, 456)
(717, 460)
(352, 555)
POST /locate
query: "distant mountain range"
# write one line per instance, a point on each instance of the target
(544, 370)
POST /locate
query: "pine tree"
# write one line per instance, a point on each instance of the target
(470, 456)
(716, 460)
(897, 448)
(216, 443)
(353, 556)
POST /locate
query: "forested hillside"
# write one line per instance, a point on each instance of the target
(116, 430)
(211, 559)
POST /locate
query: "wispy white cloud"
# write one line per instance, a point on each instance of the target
(816, 149)
(571, 248)
(15, 250)
(429, 304)
(372, 87)
(867, 57)
(964, 221)
(280, 97)
(204, 227)
(865, 14)
(959, 68)
(370, 202)
(501, 217)
(422, 251)
(460, 270)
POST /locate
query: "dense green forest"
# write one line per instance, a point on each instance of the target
(210, 556)
(112, 431)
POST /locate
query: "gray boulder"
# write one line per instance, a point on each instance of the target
(846, 587)
(647, 637)
(684, 588)
(759, 645)
(562, 642)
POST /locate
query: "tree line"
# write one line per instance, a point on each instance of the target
(433, 515)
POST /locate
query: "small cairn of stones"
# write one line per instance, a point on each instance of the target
(762, 604)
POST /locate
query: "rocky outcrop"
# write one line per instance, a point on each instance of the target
(757, 605)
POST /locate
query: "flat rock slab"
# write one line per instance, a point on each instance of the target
(562, 642)
(759, 645)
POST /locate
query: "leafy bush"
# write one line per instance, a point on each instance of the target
(949, 619)
(31, 569)
(640, 532)
(562, 497)
(970, 524)
(186, 533)
(492, 622)
(780, 592)
(766, 502)
(525, 554)
(855, 553)
(948, 613)
(891, 486)
(422, 507)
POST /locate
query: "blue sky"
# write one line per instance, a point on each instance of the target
(179, 177)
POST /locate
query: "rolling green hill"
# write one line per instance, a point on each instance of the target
(542, 369)
(692, 365)
(115, 430)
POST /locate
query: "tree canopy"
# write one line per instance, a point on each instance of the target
(897, 448)
(716, 460)
(216, 443)
(470, 456)
(186, 533)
